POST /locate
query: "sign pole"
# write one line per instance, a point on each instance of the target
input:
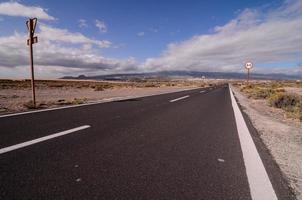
(31, 25)
(248, 67)
(32, 62)
(248, 76)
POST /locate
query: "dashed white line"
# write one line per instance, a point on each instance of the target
(31, 142)
(180, 98)
(259, 183)
(202, 91)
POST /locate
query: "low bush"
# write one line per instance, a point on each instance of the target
(292, 104)
(102, 87)
(282, 100)
(258, 92)
(76, 101)
(30, 105)
(276, 96)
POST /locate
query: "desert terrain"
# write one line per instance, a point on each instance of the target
(16, 95)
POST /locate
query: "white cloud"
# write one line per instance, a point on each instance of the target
(140, 34)
(82, 23)
(63, 35)
(263, 36)
(101, 26)
(16, 9)
(154, 30)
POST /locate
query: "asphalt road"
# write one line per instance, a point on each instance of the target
(182, 145)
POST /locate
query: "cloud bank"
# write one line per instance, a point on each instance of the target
(60, 52)
(263, 36)
(82, 23)
(16, 9)
(101, 26)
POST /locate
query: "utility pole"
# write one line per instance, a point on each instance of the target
(248, 67)
(31, 26)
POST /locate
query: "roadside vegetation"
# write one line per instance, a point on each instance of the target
(99, 85)
(277, 94)
(15, 95)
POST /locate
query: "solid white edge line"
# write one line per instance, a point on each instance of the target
(180, 98)
(31, 142)
(259, 183)
(92, 103)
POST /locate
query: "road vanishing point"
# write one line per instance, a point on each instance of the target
(193, 144)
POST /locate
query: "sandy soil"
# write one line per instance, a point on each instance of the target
(13, 100)
(282, 136)
(293, 90)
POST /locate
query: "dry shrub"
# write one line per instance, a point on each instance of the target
(30, 105)
(102, 87)
(76, 101)
(292, 104)
(282, 100)
(258, 92)
(277, 97)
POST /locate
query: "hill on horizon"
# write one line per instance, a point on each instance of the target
(186, 74)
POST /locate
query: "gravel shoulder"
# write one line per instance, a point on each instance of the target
(282, 136)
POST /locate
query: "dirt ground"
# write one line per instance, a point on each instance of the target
(14, 100)
(293, 90)
(282, 136)
(16, 95)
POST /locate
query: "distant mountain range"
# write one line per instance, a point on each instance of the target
(181, 74)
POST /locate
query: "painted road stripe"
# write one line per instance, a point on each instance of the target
(31, 142)
(259, 183)
(202, 91)
(180, 98)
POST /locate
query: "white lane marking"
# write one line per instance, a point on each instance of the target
(220, 160)
(202, 91)
(180, 98)
(31, 142)
(93, 103)
(260, 185)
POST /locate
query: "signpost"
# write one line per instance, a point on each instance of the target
(31, 26)
(248, 66)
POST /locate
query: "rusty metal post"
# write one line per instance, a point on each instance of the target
(31, 25)
(248, 67)
(32, 61)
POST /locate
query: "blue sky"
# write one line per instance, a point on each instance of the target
(162, 22)
(149, 35)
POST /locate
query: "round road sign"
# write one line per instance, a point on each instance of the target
(248, 65)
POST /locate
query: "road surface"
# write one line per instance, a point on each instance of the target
(183, 145)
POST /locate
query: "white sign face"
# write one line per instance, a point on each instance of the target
(248, 65)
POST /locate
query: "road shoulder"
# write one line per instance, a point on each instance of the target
(268, 148)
